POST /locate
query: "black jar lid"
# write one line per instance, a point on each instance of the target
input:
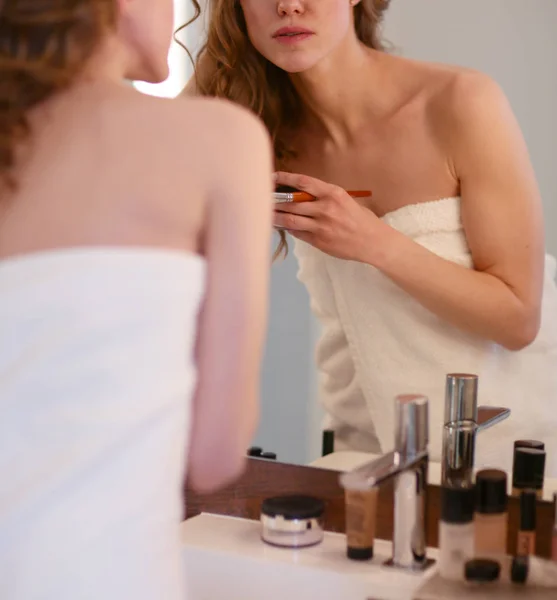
(293, 507)
(482, 570)
(491, 491)
(457, 504)
(528, 468)
(520, 567)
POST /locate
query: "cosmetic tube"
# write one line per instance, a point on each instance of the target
(361, 512)
(491, 517)
(456, 531)
(526, 540)
(528, 470)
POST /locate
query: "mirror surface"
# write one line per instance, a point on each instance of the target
(514, 43)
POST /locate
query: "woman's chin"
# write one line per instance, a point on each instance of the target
(294, 65)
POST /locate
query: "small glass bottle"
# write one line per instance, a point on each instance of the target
(456, 531)
(491, 518)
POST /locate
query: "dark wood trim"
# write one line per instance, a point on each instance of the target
(263, 479)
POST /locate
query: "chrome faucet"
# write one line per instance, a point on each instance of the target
(407, 464)
(464, 419)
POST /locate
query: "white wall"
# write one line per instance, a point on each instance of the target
(514, 41)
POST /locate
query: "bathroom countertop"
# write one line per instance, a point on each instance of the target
(348, 460)
(225, 557)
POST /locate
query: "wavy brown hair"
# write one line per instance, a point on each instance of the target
(229, 66)
(44, 47)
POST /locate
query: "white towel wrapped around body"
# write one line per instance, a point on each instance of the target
(377, 341)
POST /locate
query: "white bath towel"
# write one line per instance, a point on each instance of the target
(97, 373)
(377, 342)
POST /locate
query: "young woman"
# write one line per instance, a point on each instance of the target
(132, 310)
(442, 269)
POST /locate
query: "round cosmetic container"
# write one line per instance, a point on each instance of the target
(292, 521)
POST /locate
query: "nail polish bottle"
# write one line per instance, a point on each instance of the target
(491, 517)
(528, 470)
(526, 540)
(456, 531)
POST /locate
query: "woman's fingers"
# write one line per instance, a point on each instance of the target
(293, 222)
(312, 186)
(307, 209)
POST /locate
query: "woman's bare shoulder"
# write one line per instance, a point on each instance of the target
(454, 92)
(224, 130)
(457, 97)
(200, 131)
(196, 116)
(219, 113)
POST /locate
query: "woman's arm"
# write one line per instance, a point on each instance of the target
(502, 219)
(237, 245)
(500, 300)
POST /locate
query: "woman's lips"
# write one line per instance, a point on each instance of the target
(292, 35)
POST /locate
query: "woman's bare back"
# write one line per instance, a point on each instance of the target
(109, 166)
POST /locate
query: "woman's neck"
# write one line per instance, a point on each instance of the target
(347, 90)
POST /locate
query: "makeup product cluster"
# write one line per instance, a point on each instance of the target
(473, 526)
(473, 530)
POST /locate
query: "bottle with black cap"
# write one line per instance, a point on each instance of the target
(456, 531)
(491, 518)
(528, 469)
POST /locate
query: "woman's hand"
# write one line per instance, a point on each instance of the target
(334, 223)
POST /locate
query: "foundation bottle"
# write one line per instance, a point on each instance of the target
(456, 531)
(526, 540)
(361, 510)
(491, 517)
(528, 470)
